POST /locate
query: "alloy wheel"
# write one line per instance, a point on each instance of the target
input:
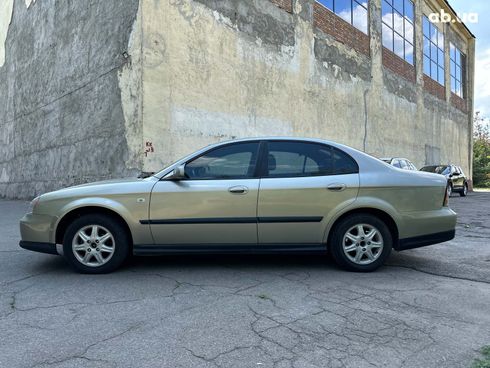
(93, 245)
(363, 244)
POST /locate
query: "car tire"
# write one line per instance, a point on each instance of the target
(464, 191)
(340, 243)
(449, 189)
(96, 244)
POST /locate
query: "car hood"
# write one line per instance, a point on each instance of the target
(106, 182)
(103, 188)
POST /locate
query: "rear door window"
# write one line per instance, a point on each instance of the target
(296, 159)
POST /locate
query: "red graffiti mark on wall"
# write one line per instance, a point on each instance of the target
(149, 148)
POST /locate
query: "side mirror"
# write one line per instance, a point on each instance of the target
(177, 174)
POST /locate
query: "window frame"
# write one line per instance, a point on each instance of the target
(265, 153)
(394, 32)
(255, 170)
(351, 22)
(427, 38)
(261, 164)
(462, 69)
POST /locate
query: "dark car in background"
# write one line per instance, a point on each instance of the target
(401, 163)
(456, 179)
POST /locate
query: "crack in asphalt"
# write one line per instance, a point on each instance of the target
(414, 268)
(87, 348)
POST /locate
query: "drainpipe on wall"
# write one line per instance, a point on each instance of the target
(470, 72)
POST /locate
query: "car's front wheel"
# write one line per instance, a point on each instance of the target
(95, 244)
(361, 243)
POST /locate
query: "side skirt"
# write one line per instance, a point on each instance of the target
(151, 250)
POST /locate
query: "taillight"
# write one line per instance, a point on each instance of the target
(446, 198)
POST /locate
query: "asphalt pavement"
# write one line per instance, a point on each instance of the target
(428, 307)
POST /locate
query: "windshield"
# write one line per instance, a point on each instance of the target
(443, 170)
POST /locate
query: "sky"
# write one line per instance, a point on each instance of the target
(481, 30)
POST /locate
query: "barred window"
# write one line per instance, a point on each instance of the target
(398, 28)
(457, 70)
(433, 52)
(352, 11)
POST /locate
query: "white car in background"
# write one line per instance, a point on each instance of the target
(401, 163)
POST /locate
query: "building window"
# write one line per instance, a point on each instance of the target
(352, 11)
(398, 34)
(433, 52)
(457, 70)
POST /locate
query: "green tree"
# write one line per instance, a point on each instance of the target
(481, 152)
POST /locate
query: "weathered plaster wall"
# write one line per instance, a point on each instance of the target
(215, 70)
(61, 117)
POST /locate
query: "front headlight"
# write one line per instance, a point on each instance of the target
(34, 204)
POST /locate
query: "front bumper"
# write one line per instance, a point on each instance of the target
(38, 228)
(48, 248)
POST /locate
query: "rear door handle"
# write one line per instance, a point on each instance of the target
(240, 189)
(337, 187)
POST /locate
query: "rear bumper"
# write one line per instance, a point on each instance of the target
(48, 248)
(425, 240)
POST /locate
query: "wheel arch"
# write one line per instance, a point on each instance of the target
(381, 214)
(75, 213)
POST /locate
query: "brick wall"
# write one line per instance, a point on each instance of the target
(397, 65)
(339, 29)
(459, 102)
(284, 4)
(434, 87)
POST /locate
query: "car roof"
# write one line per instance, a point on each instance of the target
(282, 138)
(277, 138)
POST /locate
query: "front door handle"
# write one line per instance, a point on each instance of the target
(240, 189)
(337, 187)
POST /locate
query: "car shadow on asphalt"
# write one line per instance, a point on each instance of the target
(235, 260)
(56, 264)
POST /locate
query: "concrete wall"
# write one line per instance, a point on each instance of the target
(107, 88)
(61, 115)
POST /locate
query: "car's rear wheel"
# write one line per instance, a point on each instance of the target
(449, 189)
(464, 192)
(95, 244)
(361, 243)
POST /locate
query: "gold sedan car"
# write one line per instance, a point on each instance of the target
(261, 195)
